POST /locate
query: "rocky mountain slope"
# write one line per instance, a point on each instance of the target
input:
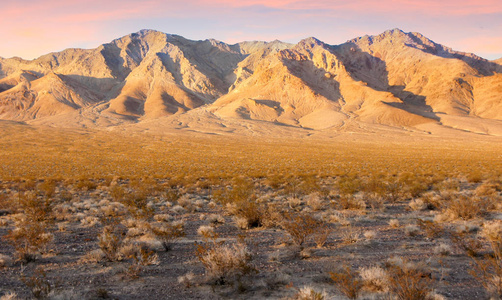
(395, 78)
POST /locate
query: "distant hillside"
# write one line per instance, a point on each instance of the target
(397, 79)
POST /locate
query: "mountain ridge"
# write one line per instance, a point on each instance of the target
(395, 78)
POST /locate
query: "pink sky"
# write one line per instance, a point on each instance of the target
(30, 28)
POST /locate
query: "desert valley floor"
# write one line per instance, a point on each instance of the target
(277, 213)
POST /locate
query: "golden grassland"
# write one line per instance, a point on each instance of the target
(38, 153)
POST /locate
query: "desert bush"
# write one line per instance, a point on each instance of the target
(34, 208)
(417, 204)
(31, 235)
(466, 243)
(488, 269)
(215, 219)
(85, 184)
(38, 283)
(430, 228)
(488, 272)
(9, 296)
(48, 187)
(249, 210)
(315, 201)
(137, 204)
(309, 293)
(442, 249)
(225, 264)
(242, 190)
(187, 280)
(375, 279)
(350, 235)
(465, 207)
(300, 227)
(321, 236)
(5, 261)
(370, 234)
(375, 201)
(144, 256)
(347, 281)
(167, 233)
(409, 282)
(412, 184)
(350, 202)
(412, 230)
(393, 190)
(349, 185)
(394, 223)
(29, 240)
(206, 232)
(117, 192)
(110, 241)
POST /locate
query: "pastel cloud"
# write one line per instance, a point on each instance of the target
(33, 27)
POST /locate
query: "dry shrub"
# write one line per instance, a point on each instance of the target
(450, 184)
(375, 201)
(309, 293)
(431, 229)
(248, 210)
(350, 202)
(406, 281)
(167, 233)
(137, 204)
(298, 186)
(225, 264)
(487, 189)
(38, 283)
(206, 232)
(412, 184)
(488, 269)
(394, 223)
(300, 227)
(47, 187)
(417, 204)
(350, 235)
(31, 236)
(315, 201)
(412, 230)
(187, 280)
(347, 281)
(117, 193)
(85, 184)
(215, 219)
(370, 234)
(29, 240)
(375, 279)
(110, 241)
(145, 257)
(242, 189)
(35, 208)
(349, 185)
(321, 236)
(10, 296)
(5, 261)
(465, 207)
(466, 243)
(442, 249)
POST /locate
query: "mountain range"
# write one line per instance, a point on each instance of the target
(395, 79)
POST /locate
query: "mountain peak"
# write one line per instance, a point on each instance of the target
(311, 42)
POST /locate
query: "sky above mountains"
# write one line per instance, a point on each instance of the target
(30, 28)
